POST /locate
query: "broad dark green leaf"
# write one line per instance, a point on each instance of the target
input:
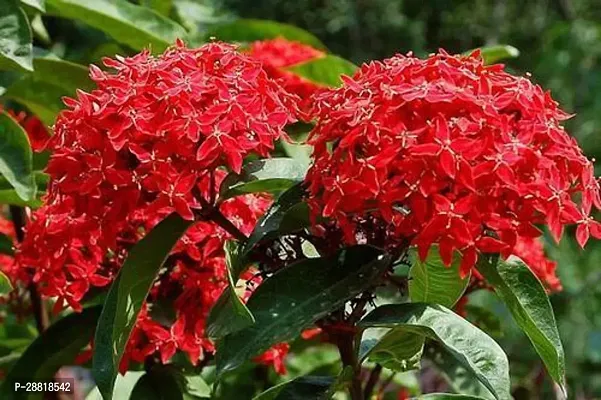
(474, 349)
(303, 388)
(37, 4)
(460, 379)
(298, 295)
(6, 245)
(127, 23)
(248, 30)
(493, 54)
(433, 282)
(526, 299)
(16, 51)
(229, 314)
(287, 214)
(41, 180)
(42, 91)
(5, 285)
(56, 347)
(399, 350)
(326, 70)
(41, 98)
(272, 175)
(16, 157)
(160, 383)
(126, 296)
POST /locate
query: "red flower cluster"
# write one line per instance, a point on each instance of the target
(448, 151)
(155, 137)
(279, 54)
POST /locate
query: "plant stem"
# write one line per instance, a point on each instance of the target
(212, 213)
(374, 377)
(346, 347)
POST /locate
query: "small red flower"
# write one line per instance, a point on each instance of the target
(275, 356)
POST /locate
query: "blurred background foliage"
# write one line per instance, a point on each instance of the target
(560, 45)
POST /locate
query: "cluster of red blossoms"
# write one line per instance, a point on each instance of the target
(449, 151)
(279, 54)
(156, 136)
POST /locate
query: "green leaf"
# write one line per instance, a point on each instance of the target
(229, 314)
(6, 245)
(126, 296)
(286, 215)
(303, 388)
(42, 99)
(325, 71)
(196, 386)
(5, 285)
(460, 379)
(248, 30)
(16, 157)
(37, 4)
(433, 282)
(10, 197)
(127, 23)
(16, 51)
(42, 91)
(399, 350)
(298, 295)
(493, 54)
(56, 347)
(160, 383)
(272, 175)
(529, 305)
(474, 349)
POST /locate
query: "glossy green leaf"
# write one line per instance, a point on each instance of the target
(37, 4)
(248, 30)
(433, 282)
(6, 245)
(16, 51)
(399, 350)
(56, 347)
(527, 300)
(41, 98)
(5, 285)
(126, 296)
(196, 387)
(127, 23)
(460, 379)
(16, 157)
(474, 349)
(272, 175)
(303, 388)
(160, 383)
(493, 54)
(42, 91)
(287, 214)
(229, 314)
(326, 70)
(298, 295)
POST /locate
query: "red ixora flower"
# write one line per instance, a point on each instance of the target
(157, 136)
(449, 151)
(279, 54)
